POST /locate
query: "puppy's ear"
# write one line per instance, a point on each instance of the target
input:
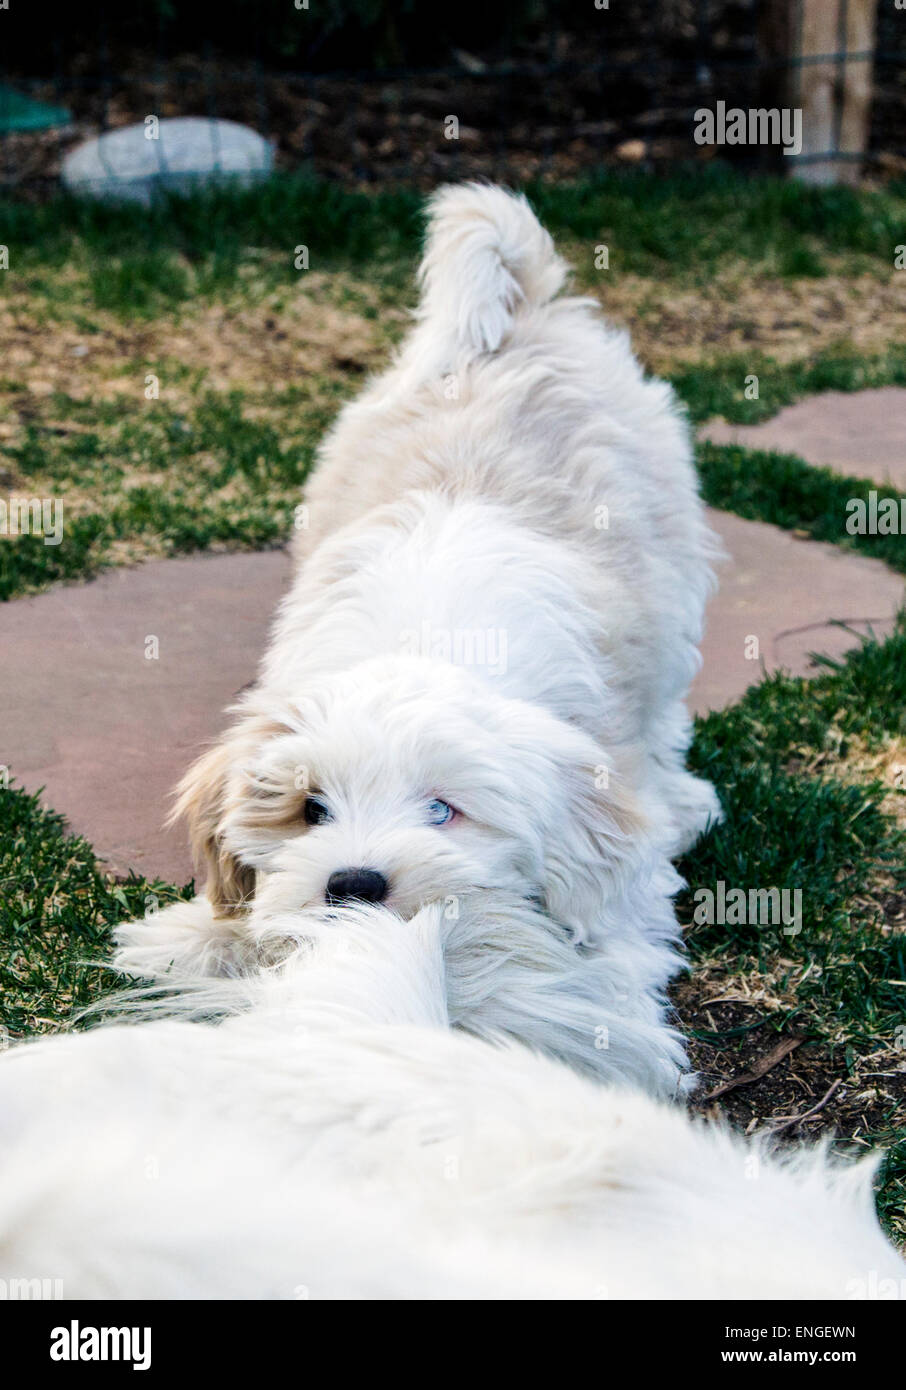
(208, 791)
(600, 845)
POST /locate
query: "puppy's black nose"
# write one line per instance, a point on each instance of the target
(363, 885)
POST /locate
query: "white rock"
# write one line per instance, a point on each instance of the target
(189, 152)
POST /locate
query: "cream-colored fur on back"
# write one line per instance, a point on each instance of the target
(498, 602)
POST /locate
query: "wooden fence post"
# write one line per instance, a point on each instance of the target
(834, 95)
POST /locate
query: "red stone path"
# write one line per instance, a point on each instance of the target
(108, 732)
(861, 433)
(790, 594)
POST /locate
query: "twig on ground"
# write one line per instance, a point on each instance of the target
(788, 1121)
(757, 1070)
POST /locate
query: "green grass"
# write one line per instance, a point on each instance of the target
(161, 481)
(677, 227)
(56, 911)
(222, 469)
(718, 388)
(689, 221)
(842, 975)
(143, 262)
(826, 836)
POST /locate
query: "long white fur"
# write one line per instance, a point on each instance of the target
(510, 974)
(512, 474)
(332, 1137)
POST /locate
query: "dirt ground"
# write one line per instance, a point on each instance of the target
(797, 1084)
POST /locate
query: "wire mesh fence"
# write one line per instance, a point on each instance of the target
(623, 87)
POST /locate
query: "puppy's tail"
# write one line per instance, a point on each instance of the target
(487, 260)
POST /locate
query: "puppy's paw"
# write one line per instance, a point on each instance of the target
(185, 941)
(694, 807)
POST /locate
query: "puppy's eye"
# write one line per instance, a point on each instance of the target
(315, 812)
(440, 812)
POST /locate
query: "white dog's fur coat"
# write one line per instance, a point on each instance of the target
(333, 1138)
(497, 609)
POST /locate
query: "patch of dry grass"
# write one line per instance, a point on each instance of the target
(742, 308)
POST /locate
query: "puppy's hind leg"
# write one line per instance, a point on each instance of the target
(185, 941)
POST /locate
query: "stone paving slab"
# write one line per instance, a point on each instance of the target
(108, 730)
(788, 594)
(861, 433)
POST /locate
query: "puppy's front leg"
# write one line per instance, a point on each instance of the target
(184, 941)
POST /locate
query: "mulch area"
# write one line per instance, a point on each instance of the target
(563, 107)
(362, 129)
(855, 1104)
(785, 1083)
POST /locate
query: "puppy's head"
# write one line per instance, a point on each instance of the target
(405, 781)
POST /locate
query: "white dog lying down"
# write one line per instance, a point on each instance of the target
(477, 679)
(333, 1138)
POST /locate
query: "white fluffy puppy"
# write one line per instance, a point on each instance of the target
(332, 1138)
(477, 679)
